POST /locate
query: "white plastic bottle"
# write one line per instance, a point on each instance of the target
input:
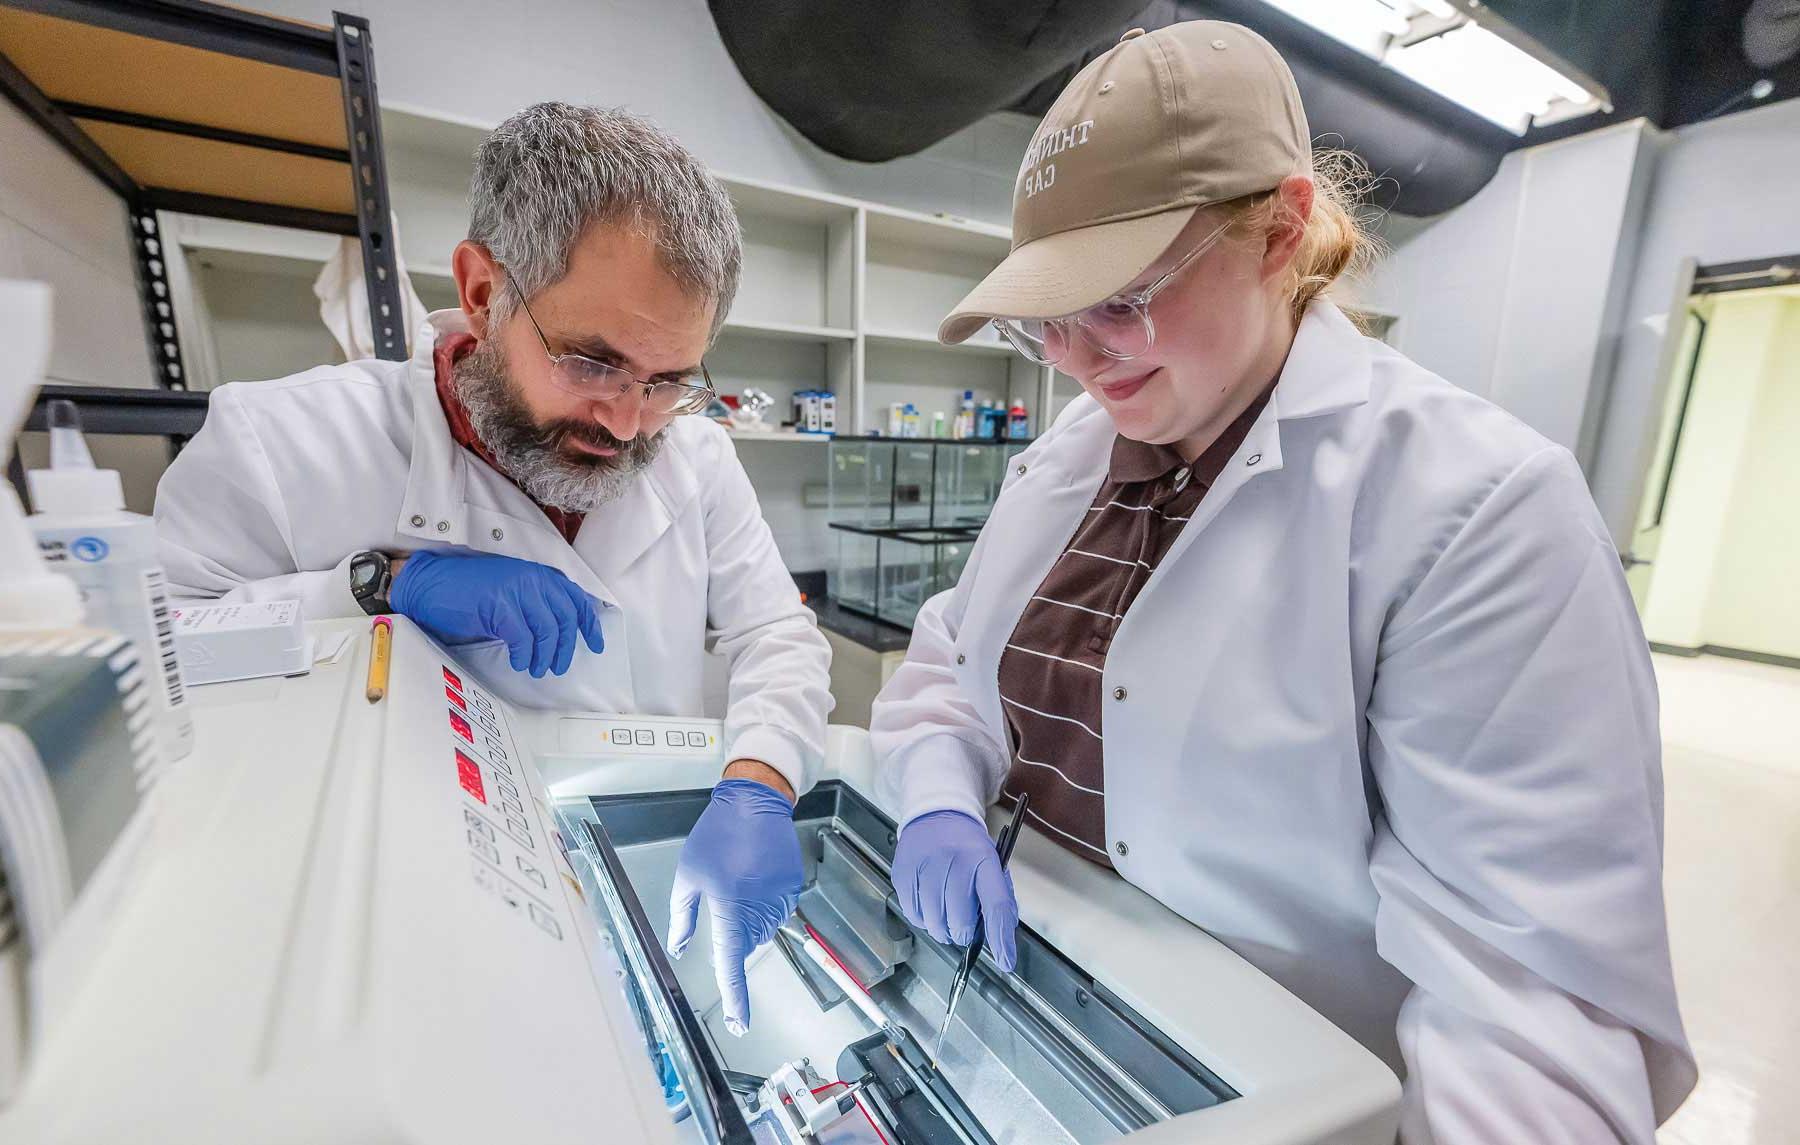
(86, 534)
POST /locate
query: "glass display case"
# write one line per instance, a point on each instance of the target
(923, 483)
(905, 514)
(887, 574)
(847, 998)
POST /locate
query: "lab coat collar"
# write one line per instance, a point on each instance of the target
(1327, 371)
(1328, 367)
(436, 501)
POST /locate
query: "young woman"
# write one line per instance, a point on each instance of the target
(1329, 656)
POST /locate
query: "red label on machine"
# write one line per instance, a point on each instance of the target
(455, 697)
(452, 679)
(470, 776)
(462, 728)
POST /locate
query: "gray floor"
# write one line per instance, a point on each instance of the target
(1731, 763)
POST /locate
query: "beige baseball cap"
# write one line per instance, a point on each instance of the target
(1163, 124)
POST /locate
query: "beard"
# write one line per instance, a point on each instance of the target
(539, 456)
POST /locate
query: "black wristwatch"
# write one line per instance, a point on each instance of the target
(371, 575)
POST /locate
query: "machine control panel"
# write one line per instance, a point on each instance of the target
(499, 822)
(646, 737)
(661, 736)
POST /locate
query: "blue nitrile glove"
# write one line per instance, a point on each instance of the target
(464, 597)
(744, 856)
(946, 874)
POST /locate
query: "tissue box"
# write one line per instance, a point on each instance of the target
(219, 642)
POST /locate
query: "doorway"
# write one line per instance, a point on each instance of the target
(1715, 558)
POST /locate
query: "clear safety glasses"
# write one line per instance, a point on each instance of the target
(1120, 327)
(595, 380)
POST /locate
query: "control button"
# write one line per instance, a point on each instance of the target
(696, 739)
(674, 739)
(517, 826)
(532, 873)
(621, 737)
(508, 803)
(510, 895)
(546, 922)
(506, 787)
(461, 727)
(468, 773)
(477, 823)
(484, 848)
(646, 737)
(498, 759)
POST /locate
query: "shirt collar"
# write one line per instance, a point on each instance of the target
(1137, 461)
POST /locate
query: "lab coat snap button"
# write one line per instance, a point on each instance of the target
(418, 522)
(499, 535)
(1254, 458)
(1020, 471)
(443, 526)
(1121, 848)
(959, 658)
(1118, 693)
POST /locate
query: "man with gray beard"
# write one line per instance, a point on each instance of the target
(529, 490)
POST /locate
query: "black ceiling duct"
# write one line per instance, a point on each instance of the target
(874, 81)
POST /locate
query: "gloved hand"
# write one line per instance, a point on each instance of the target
(535, 609)
(744, 856)
(947, 874)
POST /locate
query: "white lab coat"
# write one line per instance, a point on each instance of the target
(1392, 583)
(290, 478)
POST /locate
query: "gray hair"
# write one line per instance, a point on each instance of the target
(553, 169)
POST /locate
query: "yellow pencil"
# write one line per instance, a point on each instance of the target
(380, 654)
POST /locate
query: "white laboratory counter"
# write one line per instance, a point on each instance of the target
(341, 926)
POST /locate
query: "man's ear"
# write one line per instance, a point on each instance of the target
(478, 277)
(1283, 243)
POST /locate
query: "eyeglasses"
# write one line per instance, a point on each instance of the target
(594, 380)
(1120, 327)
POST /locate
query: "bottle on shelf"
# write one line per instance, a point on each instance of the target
(937, 424)
(965, 417)
(990, 421)
(1018, 422)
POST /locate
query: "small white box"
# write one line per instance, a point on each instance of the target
(220, 642)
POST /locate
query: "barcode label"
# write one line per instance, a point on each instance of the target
(156, 591)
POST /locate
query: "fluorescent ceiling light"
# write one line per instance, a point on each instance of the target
(1488, 76)
(1440, 44)
(1366, 25)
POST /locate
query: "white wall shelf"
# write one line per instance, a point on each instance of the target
(979, 344)
(781, 436)
(789, 331)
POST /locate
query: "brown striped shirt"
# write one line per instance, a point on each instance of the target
(1050, 672)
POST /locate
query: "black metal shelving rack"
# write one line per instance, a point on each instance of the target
(197, 108)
